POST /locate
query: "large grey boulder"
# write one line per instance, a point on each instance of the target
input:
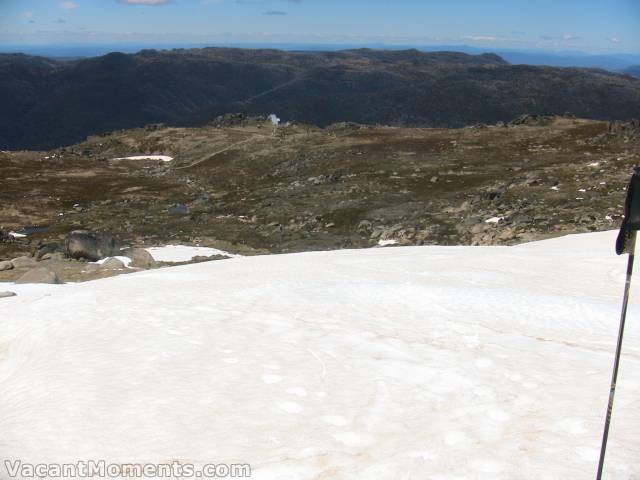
(24, 262)
(140, 258)
(91, 246)
(113, 264)
(5, 266)
(38, 275)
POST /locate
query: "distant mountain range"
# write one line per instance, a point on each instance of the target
(48, 103)
(570, 58)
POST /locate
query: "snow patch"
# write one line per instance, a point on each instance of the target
(386, 243)
(184, 253)
(162, 158)
(410, 362)
(125, 260)
(273, 118)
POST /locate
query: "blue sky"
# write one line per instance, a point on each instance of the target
(562, 25)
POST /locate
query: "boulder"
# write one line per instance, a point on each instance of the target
(140, 258)
(39, 275)
(24, 262)
(113, 264)
(5, 266)
(49, 249)
(7, 294)
(91, 246)
(57, 256)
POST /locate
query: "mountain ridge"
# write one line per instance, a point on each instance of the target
(51, 103)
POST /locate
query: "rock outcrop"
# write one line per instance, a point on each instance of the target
(91, 246)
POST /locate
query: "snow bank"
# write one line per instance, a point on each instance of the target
(402, 363)
(184, 253)
(125, 260)
(163, 158)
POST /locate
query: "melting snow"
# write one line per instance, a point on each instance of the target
(386, 243)
(184, 253)
(125, 260)
(420, 363)
(163, 158)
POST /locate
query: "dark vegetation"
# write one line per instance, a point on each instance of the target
(48, 104)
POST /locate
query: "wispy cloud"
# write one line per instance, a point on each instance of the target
(28, 14)
(60, 20)
(148, 3)
(69, 5)
(615, 40)
(275, 13)
(567, 37)
(481, 38)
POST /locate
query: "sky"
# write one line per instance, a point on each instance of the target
(595, 26)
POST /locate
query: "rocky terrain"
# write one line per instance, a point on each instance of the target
(48, 103)
(242, 185)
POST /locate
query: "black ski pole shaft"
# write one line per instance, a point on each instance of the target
(616, 363)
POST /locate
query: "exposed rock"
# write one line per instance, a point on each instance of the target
(48, 249)
(5, 266)
(508, 234)
(178, 209)
(532, 119)
(112, 264)
(39, 275)
(203, 258)
(58, 256)
(365, 227)
(630, 129)
(140, 258)
(24, 262)
(7, 294)
(91, 246)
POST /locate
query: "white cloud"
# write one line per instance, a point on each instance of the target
(69, 5)
(28, 14)
(615, 40)
(481, 38)
(568, 36)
